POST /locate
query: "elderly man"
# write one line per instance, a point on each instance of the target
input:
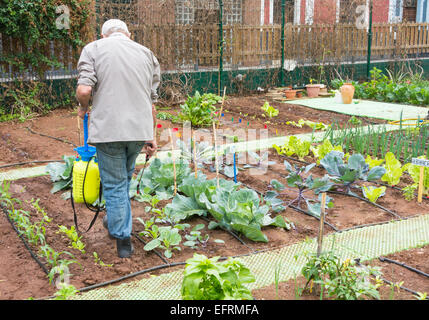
(122, 78)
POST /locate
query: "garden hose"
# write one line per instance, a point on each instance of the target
(33, 255)
(400, 122)
(383, 259)
(357, 260)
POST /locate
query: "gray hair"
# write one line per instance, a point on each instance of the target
(114, 25)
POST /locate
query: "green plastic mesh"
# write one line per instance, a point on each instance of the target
(365, 108)
(364, 243)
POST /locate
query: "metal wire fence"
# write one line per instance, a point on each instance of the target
(248, 45)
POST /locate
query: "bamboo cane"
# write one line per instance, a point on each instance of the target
(322, 222)
(221, 107)
(174, 161)
(195, 154)
(215, 152)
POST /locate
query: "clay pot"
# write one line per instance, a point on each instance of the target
(290, 94)
(312, 90)
(347, 92)
(299, 94)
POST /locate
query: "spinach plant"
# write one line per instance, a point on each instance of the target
(199, 109)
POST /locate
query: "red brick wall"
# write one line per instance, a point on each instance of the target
(324, 11)
(380, 11)
(302, 19)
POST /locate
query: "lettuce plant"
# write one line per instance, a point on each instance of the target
(323, 149)
(269, 110)
(373, 162)
(372, 193)
(294, 146)
(394, 170)
(208, 279)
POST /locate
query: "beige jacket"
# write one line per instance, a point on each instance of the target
(125, 76)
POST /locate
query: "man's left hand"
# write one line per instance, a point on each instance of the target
(81, 112)
(151, 147)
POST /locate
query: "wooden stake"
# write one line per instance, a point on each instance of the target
(195, 154)
(322, 222)
(420, 191)
(221, 107)
(216, 161)
(174, 161)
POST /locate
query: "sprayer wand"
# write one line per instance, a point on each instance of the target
(146, 161)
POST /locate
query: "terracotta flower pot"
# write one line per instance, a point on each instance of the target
(290, 94)
(313, 90)
(347, 92)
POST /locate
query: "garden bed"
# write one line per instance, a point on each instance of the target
(36, 139)
(342, 216)
(31, 281)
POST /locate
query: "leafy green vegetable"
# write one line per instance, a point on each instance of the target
(373, 193)
(295, 179)
(242, 212)
(373, 162)
(61, 173)
(311, 124)
(393, 170)
(323, 149)
(199, 109)
(348, 173)
(208, 279)
(294, 146)
(414, 172)
(269, 110)
(158, 177)
(168, 239)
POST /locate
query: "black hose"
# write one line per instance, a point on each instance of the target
(391, 283)
(232, 234)
(51, 137)
(154, 250)
(383, 259)
(28, 162)
(39, 262)
(366, 200)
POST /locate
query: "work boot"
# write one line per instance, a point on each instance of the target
(125, 247)
(105, 225)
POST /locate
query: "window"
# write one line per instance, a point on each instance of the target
(207, 11)
(410, 10)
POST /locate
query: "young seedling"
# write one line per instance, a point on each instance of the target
(296, 179)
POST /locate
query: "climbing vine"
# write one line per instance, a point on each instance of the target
(31, 29)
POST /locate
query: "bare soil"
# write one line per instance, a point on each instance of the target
(21, 277)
